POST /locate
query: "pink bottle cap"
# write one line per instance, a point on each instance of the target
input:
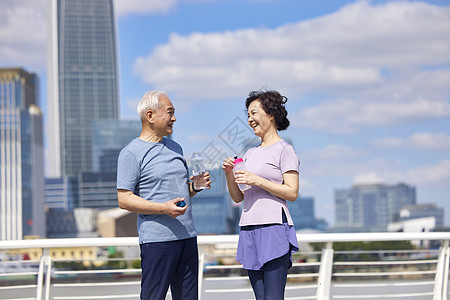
(237, 160)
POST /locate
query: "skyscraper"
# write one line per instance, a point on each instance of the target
(21, 156)
(371, 207)
(82, 82)
(302, 212)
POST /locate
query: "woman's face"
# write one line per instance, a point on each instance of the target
(258, 120)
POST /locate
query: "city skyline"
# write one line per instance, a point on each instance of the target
(367, 81)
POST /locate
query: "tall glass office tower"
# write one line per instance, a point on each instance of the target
(21, 156)
(371, 207)
(82, 82)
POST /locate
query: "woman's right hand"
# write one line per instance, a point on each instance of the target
(228, 165)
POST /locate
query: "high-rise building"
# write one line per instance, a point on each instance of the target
(370, 207)
(21, 156)
(108, 139)
(82, 80)
(61, 193)
(422, 211)
(303, 214)
(213, 210)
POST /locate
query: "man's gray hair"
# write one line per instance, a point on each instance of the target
(150, 101)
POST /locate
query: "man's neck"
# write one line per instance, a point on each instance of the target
(150, 137)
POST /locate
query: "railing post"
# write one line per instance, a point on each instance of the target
(44, 273)
(48, 276)
(442, 269)
(201, 265)
(325, 272)
(40, 278)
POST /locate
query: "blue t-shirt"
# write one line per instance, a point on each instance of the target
(157, 172)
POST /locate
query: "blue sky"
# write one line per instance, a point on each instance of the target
(368, 82)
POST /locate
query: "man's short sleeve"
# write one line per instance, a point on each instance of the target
(128, 171)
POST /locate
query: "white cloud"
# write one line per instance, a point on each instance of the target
(367, 178)
(360, 46)
(22, 34)
(143, 7)
(198, 138)
(421, 140)
(332, 152)
(336, 162)
(437, 175)
(348, 116)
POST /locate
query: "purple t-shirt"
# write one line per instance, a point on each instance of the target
(260, 206)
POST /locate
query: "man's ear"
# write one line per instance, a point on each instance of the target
(149, 116)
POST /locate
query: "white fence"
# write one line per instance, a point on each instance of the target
(424, 272)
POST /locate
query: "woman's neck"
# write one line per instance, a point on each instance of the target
(270, 138)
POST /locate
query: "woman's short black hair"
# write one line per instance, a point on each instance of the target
(273, 104)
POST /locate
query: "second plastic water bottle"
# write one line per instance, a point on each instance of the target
(198, 169)
(239, 165)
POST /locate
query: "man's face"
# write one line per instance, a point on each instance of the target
(164, 117)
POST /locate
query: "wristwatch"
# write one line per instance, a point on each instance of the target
(193, 188)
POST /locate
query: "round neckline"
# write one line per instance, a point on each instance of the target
(162, 141)
(269, 145)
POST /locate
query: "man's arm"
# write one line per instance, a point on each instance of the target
(131, 202)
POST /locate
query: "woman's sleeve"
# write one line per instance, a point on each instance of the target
(289, 160)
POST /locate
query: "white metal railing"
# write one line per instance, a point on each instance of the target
(323, 284)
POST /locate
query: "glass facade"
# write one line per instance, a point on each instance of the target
(61, 193)
(371, 207)
(21, 156)
(422, 211)
(108, 139)
(213, 210)
(83, 79)
(303, 214)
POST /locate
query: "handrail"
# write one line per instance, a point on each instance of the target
(216, 239)
(324, 275)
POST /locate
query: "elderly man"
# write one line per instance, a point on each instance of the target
(153, 181)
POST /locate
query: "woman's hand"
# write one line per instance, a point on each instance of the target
(235, 193)
(245, 177)
(228, 165)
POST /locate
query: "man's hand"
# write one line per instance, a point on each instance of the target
(172, 210)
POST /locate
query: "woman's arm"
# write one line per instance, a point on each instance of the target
(287, 190)
(236, 194)
(131, 202)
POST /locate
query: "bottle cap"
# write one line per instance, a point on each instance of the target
(238, 160)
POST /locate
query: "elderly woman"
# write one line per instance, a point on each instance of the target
(267, 237)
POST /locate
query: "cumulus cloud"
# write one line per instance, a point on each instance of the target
(198, 138)
(367, 178)
(359, 46)
(421, 140)
(332, 152)
(337, 161)
(143, 7)
(22, 34)
(436, 175)
(350, 115)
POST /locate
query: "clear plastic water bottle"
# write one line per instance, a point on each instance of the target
(239, 165)
(198, 170)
